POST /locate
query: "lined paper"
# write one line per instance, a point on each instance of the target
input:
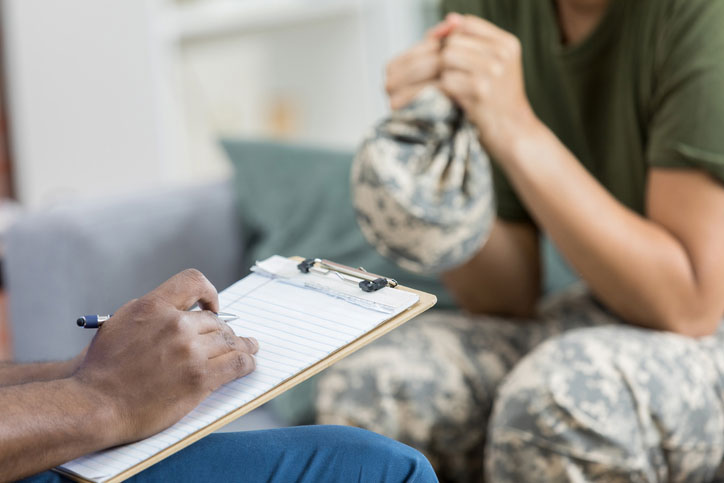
(296, 327)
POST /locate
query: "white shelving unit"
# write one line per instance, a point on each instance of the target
(204, 19)
(108, 96)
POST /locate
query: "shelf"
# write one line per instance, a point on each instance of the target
(213, 18)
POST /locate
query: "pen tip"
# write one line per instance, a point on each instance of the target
(80, 321)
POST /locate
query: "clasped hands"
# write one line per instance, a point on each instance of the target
(476, 64)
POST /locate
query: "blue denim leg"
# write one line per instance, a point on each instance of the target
(305, 454)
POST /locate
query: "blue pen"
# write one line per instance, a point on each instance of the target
(96, 321)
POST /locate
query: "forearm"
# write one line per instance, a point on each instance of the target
(634, 265)
(44, 424)
(11, 374)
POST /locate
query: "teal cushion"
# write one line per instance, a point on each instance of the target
(295, 200)
(557, 273)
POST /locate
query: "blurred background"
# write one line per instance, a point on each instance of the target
(101, 98)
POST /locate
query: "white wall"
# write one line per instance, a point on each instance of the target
(80, 97)
(107, 96)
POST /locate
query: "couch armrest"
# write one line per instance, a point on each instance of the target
(92, 257)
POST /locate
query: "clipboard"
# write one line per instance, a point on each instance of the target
(425, 302)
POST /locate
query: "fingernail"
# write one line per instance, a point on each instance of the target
(255, 342)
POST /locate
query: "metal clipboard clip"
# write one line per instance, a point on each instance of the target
(369, 282)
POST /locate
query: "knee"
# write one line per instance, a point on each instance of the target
(566, 402)
(356, 390)
(375, 387)
(389, 459)
(371, 370)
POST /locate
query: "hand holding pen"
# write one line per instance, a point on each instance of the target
(155, 360)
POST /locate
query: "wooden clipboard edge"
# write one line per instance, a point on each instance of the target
(425, 302)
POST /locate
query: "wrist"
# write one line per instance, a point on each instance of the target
(525, 146)
(72, 365)
(14, 374)
(506, 137)
(65, 369)
(102, 412)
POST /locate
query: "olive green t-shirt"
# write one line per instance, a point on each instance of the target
(645, 88)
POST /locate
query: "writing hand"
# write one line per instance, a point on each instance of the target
(154, 361)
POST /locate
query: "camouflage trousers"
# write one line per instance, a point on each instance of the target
(574, 395)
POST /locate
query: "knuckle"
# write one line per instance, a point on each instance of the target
(513, 45)
(186, 350)
(193, 273)
(145, 305)
(228, 340)
(224, 327)
(195, 375)
(213, 320)
(195, 277)
(482, 89)
(199, 282)
(141, 310)
(239, 364)
(175, 323)
(243, 364)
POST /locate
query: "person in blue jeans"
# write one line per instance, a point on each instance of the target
(148, 366)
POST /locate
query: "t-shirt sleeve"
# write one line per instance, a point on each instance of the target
(687, 118)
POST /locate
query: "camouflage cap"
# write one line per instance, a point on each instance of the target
(422, 186)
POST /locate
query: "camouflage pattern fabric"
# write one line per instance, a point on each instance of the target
(577, 396)
(422, 186)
